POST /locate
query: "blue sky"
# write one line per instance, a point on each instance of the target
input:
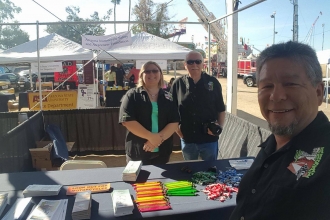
(254, 24)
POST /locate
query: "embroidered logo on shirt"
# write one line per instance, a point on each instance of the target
(304, 164)
(210, 86)
(168, 96)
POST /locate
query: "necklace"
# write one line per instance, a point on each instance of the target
(152, 95)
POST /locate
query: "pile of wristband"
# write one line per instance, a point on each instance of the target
(180, 188)
(204, 178)
(219, 186)
(219, 191)
(230, 177)
(150, 197)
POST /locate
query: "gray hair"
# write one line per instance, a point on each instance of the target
(193, 52)
(297, 52)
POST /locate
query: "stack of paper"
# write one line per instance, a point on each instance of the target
(42, 190)
(241, 164)
(122, 202)
(132, 170)
(18, 209)
(3, 201)
(50, 210)
(82, 206)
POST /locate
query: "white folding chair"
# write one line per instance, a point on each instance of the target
(82, 164)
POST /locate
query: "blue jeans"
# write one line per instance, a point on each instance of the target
(207, 151)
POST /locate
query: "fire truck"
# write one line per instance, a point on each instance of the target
(245, 66)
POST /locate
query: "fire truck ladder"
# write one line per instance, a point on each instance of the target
(216, 28)
(310, 35)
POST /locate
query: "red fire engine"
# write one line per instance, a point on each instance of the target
(245, 66)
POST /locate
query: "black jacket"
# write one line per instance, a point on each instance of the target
(136, 106)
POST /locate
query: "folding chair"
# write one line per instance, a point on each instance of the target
(82, 164)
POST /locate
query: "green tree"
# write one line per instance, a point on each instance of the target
(147, 10)
(115, 2)
(10, 35)
(74, 31)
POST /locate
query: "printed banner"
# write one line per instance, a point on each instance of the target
(107, 42)
(56, 100)
(89, 70)
(69, 68)
(49, 67)
(161, 63)
(86, 96)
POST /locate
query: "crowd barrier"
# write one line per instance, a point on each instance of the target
(97, 130)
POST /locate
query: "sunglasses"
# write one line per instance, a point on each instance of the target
(191, 62)
(151, 71)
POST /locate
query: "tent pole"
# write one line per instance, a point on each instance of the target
(39, 74)
(209, 51)
(103, 87)
(174, 69)
(96, 84)
(327, 86)
(30, 74)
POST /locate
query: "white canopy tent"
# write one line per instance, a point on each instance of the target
(52, 47)
(146, 46)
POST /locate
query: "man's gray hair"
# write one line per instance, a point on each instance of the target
(297, 52)
(193, 52)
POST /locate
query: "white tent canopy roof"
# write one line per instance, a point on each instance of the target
(323, 56)
(52, 47)
(146, 46)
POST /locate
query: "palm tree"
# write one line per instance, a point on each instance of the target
(116, 2)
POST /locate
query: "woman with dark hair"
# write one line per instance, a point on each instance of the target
(133, 77)
(150, 116)
(169, 85)
(110, 76)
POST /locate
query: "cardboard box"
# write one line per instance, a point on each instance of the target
(41, 156)
(42, 152)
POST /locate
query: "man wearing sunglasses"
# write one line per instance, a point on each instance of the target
(202, 110)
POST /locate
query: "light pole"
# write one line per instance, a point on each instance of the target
(273, 16)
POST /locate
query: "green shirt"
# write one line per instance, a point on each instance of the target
(154, 120)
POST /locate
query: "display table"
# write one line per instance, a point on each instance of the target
(113, 97)
(184, 207)
(4, 98)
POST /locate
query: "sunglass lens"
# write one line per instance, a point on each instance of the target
(191, 62)
(151, 71)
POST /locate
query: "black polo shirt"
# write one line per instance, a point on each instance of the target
(136, 106)
(291, 183)
(197, 103)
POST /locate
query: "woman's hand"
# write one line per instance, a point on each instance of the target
(148, 147)
(155, 139)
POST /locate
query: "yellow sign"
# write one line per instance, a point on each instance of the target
(94, 188)
(56, 100)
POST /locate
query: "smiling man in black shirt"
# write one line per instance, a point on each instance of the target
(290, 177)
(202, 110)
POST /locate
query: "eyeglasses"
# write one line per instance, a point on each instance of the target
(191, 62)
(151, 71)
